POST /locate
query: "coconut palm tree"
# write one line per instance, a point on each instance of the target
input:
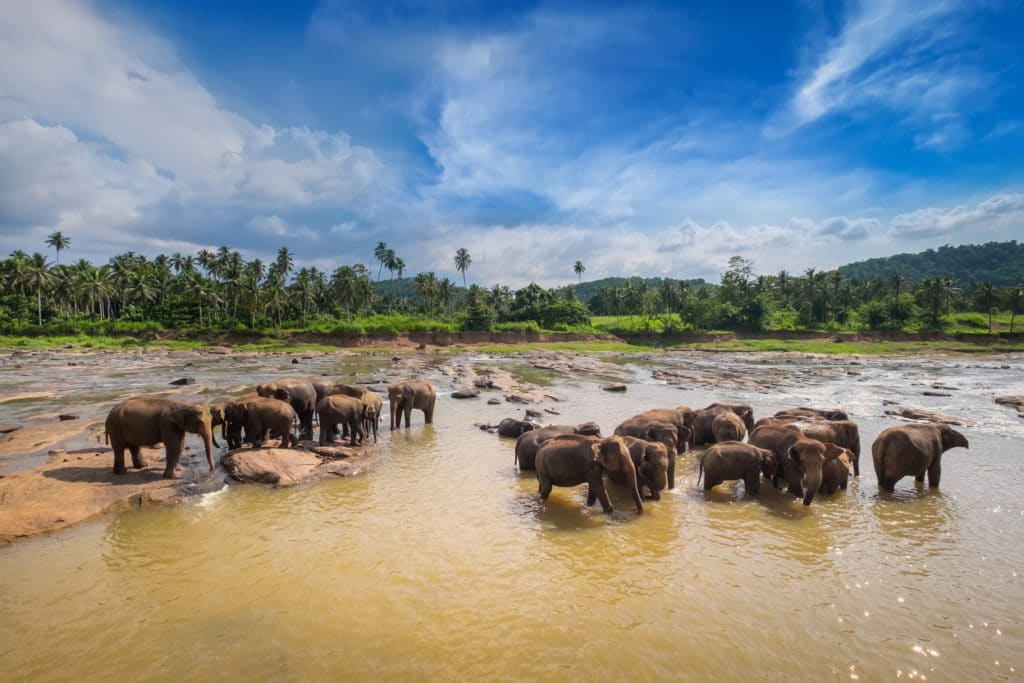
(987, 297)
(58, 241)
(579, 269)
(39, 278)
(380, 252)
(1014, 301)
(462, 263)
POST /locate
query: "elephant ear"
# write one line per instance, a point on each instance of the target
(179, 417)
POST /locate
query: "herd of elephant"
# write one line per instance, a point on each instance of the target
(273, 408)
(811, 450)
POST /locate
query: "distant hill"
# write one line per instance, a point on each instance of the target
(588, 289)
(1001, 263)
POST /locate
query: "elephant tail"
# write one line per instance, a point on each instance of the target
(700, 472)
(106, 437)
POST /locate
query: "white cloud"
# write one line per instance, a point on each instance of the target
(278, 227)
(992, 214)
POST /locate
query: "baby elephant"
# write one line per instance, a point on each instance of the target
(736, 460)
(835, 473)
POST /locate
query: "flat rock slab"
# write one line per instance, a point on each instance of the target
(914, 413)
(287, 466)
(74, 488)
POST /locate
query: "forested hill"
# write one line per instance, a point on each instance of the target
(1000, 263)
(588, 289)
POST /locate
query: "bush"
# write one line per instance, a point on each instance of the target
(523, 326)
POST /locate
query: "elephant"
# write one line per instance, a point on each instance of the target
(341, 409)
(322, 386)
(729, 460)
(681, 417)
(651, 462)
(373, 401)
(405, 396)
(835, 473)
(801, 411)
(913, 450)
(258, 416)
(844, 433)
(728, 427)
(654, 430)
(300, 393)
(573, 459)
(800, 458)
(528, 443)
(149, 420)
(703, 420)
(514, 428)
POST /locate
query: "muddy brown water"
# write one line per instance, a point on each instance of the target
(442, 564)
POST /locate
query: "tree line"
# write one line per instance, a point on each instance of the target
(221, 290)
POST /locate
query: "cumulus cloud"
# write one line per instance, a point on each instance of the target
(989, 215)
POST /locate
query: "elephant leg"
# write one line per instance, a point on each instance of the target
(325, 431)
(306, 421)
(752, 482)
(543, 487)
(671, 473)
(920, 476)
(137, 461)
(407, 412)
(118, 449)
(934, 472)
(602, 496)
(174, 448)
(856, 466)
(428, 412)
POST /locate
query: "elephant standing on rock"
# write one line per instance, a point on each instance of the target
(374, 406)
(730, 460)
(149, 420)
(339, 409)
(654, 430)
(704, 419)
(728, 427)
(572, 459)
(651, 460)
(405, 396)
(258, 416)
(913, 450)
(300, 393)
(529, 442)
(514, 428)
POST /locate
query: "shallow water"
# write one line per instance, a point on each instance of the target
(442, 563)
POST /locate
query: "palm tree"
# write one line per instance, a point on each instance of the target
(380, 252)
(462, 263)
(579, 269)
(987, 297)
(1014, 300)
(38, 277)
(283, 264)
(58, 241)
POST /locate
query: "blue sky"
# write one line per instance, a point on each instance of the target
(652, 139)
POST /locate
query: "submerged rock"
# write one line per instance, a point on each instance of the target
(465, 393)
(183, 381)
(915, 413)
(619, 388)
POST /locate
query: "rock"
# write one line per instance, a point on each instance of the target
(516, 398)
(335, 452)
(483, 383)
(614, 387)
(288, 466)
(421, 347)
(295, 361)
(487, 428)
(915, 413)
(889, 402)
(533, 412)
(65, 417)
(8, 428)
(396, 359)
(935, 393)
(552, 411)
(183, 381)
(465, 393)
(493, 402)
(1015, 401)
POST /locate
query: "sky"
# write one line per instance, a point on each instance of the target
(651, 139)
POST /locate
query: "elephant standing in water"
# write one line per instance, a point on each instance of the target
(730, 460)
(149, 420)
(913, 450)
(405, 396)
(530, 442)
(651, 461)
(704, 419)
(573, 459)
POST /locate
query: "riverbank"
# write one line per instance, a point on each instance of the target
(830, 343)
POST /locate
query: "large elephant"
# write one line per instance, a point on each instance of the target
(258, 416)
(728, 426)
(704, 419)
(651, 461)
(373, 401)
(913, 450)
(681, 417)
(730, 460)
(149, 420)
(800, 458)
(528, 443)
(514, 428)
(803, 411)
(654, 430)
(338, 409)
(574, 459)
(406, 396)
(300, 393)
(843, 433)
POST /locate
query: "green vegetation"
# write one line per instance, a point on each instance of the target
(220, 293)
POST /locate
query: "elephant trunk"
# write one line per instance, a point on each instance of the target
(206, 432)
(812, 483)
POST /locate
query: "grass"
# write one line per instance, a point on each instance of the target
(576, 347)
(879, 348)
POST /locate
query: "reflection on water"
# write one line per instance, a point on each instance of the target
(443, 563)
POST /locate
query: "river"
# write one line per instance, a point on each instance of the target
(442, 564)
